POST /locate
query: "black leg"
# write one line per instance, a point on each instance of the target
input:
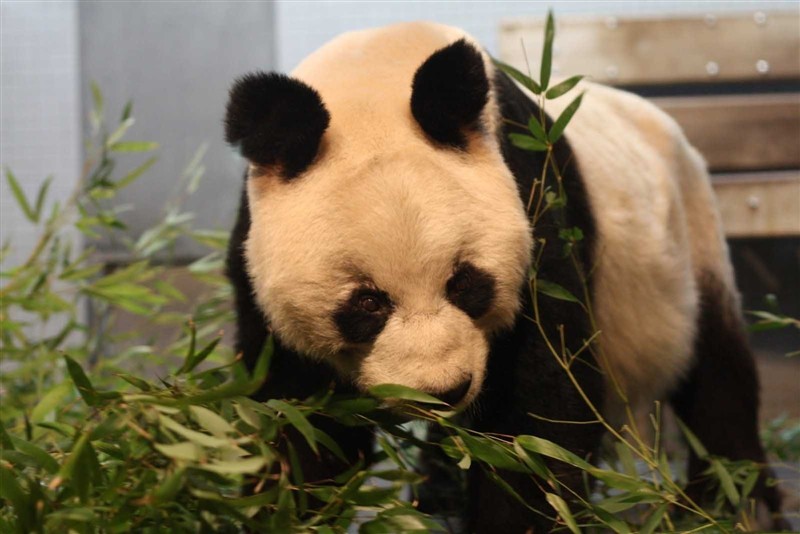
(718, 400)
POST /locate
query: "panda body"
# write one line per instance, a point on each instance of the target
(384, 237)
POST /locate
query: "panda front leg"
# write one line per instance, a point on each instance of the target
(527, 391)
(719, 398)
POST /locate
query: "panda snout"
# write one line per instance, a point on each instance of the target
(456, 394)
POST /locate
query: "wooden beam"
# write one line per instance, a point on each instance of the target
(741, 132)
(759, 204)
(658, 50)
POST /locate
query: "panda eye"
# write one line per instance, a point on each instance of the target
(361, 318)
(369, 303)
(461, 282)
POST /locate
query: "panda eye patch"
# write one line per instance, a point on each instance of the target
(471, 289)
(363, 315)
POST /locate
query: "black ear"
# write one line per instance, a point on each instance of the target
(276, 121)
(449, 92)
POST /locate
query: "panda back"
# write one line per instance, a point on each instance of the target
(658, 234)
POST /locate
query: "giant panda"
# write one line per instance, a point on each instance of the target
(384, 236)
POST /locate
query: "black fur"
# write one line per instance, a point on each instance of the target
(360, 325)
(454, 395)
(471, 289)
(449, 92)
(523, 376)
(276, 121)
(718, 400)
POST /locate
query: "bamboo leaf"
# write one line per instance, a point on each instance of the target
(76, 274)
(170, 486)
(5, 440)
(97, 98)
(133, 146)
(62, 428)
(81, 381)
(563, 87)
(11, 491)
(561, 507)
(489, 451)
(40, 198)
(117, 134)
(198, 358)
(526, 81)
(534, 463)
(551, 289)
(537, 130)
(131, 177)
(69, 467)
(126, 111)
(297, 420)
(693, 442)
(185, 450)
(330, 444)
(192, 435)
(616, 524)
(551, 450)
(465, 462)
(654, 520)
(725, 481)
(396, 391)
(190, 351)
(135, 381)
(212, 421)
(626, 459)
(50, 401)
(19, 195)
(561, 122)
(250, 465)
(547, 51)
(403, 520)
(527, 142)
(248, 415)
(42, 458)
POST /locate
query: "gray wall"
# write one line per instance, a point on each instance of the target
(176, 61)
(39, 110)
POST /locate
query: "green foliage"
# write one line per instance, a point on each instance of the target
(773, 319)
(92, 440)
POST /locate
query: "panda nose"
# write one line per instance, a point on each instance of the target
(455, 395)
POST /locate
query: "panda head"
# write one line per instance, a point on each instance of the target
(387, 235)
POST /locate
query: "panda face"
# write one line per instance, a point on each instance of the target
(396, 273)
(399, 248)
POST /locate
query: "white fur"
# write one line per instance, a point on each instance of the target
(381, 201)
(658, 231)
